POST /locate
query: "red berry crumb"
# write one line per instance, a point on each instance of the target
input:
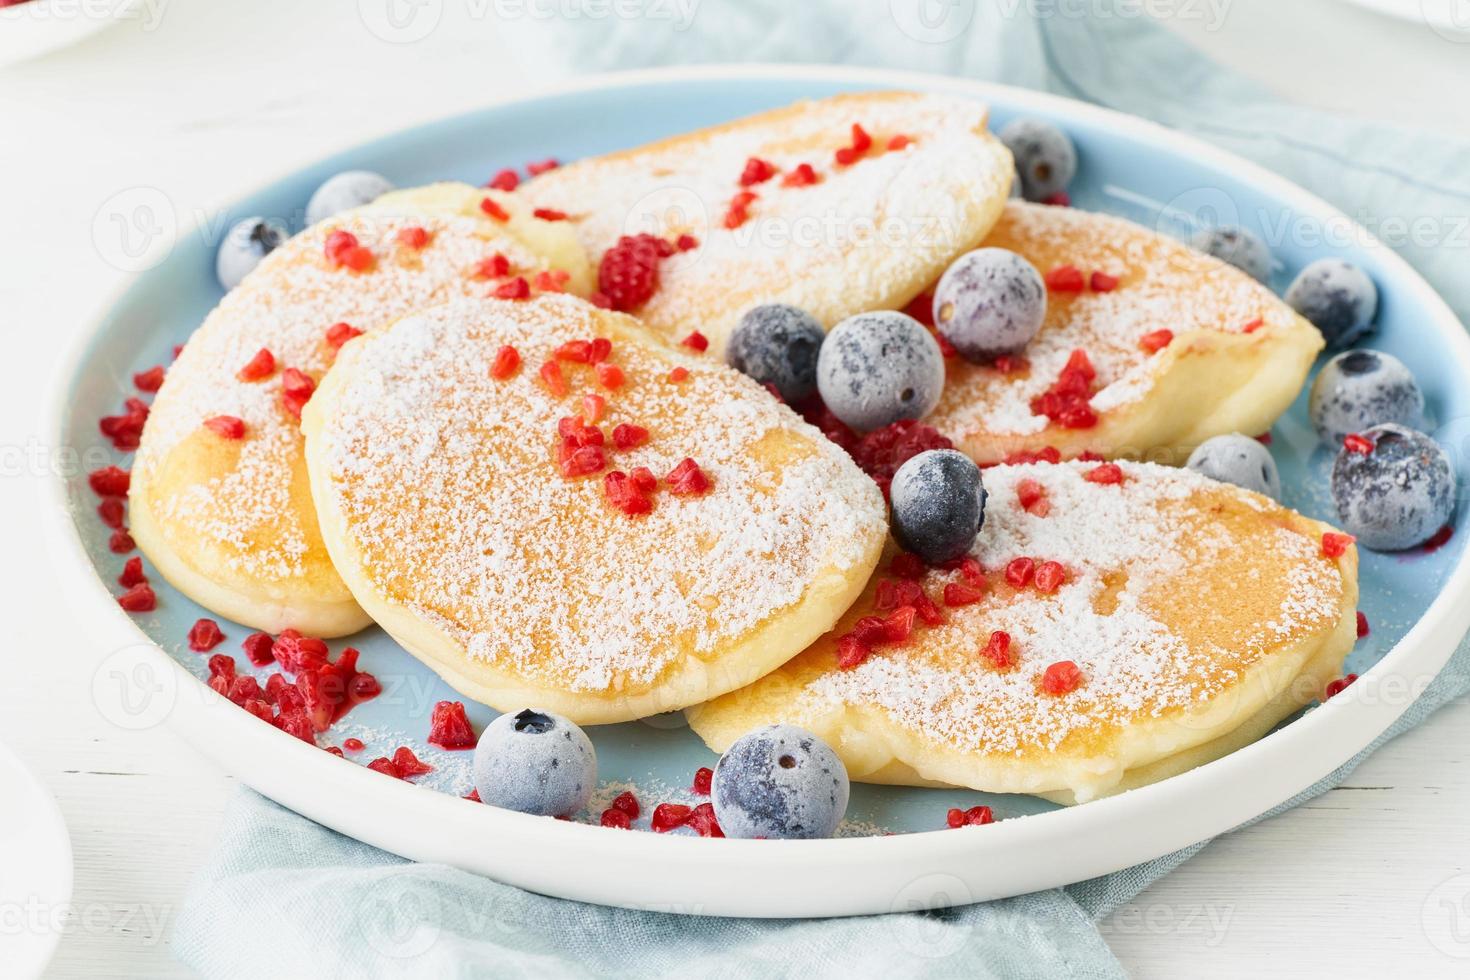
(139, 598)
(1363, 629)
(612, 817)
(507, 359)
(628, 803)
(628, 272)
(1065, 279)
(583, 461)
(112, 512)
(610, 376)
(880, 453)
(997, 650)
(1031, 495)
(1355, 443)
(696, 341)
(257, 647)
(344, 252)
(543, 166)
(1049, 576)
(1251, 326)
(132, 573)
(550, 214)
(626, 435)
(1152, 343)
(551, 376)
(259, 367)
(679, 374)
(1101, 282)
(1019, 571)
(687, 479)
(686, 243)
(125, 430)
(861, 142)
(1067, 401)
(205, 635)
(1335, 545)
(226, 426)
(517, 288)
(149, 380)
(627, 494)
(703, 778)
(552, 280)
(1108, 474)
(1338, 686)
(702, 821)
(802, 176)
(757, 171)
(668, 816)
(449, 728)
(297, 388)
(353, 744)
(957, 594)
(976, 816)
(340, 333)
(1061, 677)
(109, 481)
(413, 237)
(494, 210)
(121, 542)
(506, 180)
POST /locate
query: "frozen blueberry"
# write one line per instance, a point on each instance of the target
(938, 505)
(1240, 460)
(1243, 249)
(877, 368)
(1363, 388)
(1045, 157)
(989, 302)
(245, 244)
(1399, 494)
(349, 189)
(535, 762)
(777, 344)
(779, 782)
(1338, 298)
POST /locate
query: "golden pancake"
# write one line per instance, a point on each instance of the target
(1235, 357)
(1194, 611)
(869, 234)
(229, 521)
(443, 502)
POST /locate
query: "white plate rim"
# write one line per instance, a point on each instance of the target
(55, 828)
(819, 878)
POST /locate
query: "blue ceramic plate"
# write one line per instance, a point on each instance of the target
(1128, 168)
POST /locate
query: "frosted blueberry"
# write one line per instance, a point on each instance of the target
(777, 345)
(245, 244)
(1243, 249)
(877, 368)
(1363, 388)
(779, 782)
(349, 189)
(989, 302)
(1399, 494)
(1240, 460)
(938, 505)
(535, 762)
(1338, 298)
(1045, 157)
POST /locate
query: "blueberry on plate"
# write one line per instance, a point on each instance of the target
(1045, 157)
(349, 189)
(777, 345)
(245, 244)
(1243, 249)
(535, 762)
(1240, 460)
(877, 368)
(1398, 493)
(779, 782)
(989, 302)
(1360, 389)
(938, 505)
(1338, 298)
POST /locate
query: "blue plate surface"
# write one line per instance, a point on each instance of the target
(1153, 184)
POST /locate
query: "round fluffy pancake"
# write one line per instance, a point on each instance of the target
(1238, 357)
(230, 522)
(869, 235)
(443, 505)
(1190, 607)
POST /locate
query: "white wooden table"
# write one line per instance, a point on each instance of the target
(200, 100)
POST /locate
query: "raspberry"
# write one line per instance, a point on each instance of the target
(324, 693)
(861, 142)
(124, 430)
(297, 653)
(353, 744)
(1061, 677)
(1251, 326)
(1032, 497)
(1438, 540)
(1335, 545)
(413, 237)
(880, 453)
(551, 376)
(1338, 686)
(1065, 279)
(644, 479)
(892, 593)
(226, 426)
(517, 288)
(584, 462)
(552, 280)
(150, 380)
(576, 433)
(257, 647)
(111, 511)
(507, 359)
(297, 388)
(624, 494)
(757, 171)
(340, 333)
(1046, 454)
(1101, 282)
(344, 252)
(899, 625)
(900, 142)
(1011, 364)
(121, 542)
(976, 816)
(544, 166)
(626, 435)
(593, 407)
(493, 267)
(132, 573)
(449, 728)
(296, 723)
(494, 210)
(687, 479)
(907, 565)
(1019, 571)
(205, 635)
(1152, 343)
(473, 796)
(628, 272)
(679, 374)
(610, 376)
(506, 180)
(696, 341)
(702, 820)
(668, 816)
(139, 598)
(550, 214)
(802, 176)
(1108, 474)
(385, 766)
(816, 413)
(577, 351)
(1355, 443)
(259, 367)
(1060, 199)
(703, 779)
(1049, 576)
(615, 818)
(364, 687)
(997, 650)
(851, 651)
(1066, 402)
(110, 481)
(1362, 625)
(222, 665)
(686, 243)
(601, 349)
(956, 594)
(628, 803)
(244, 689)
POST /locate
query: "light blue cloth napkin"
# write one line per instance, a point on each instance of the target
(288, 895)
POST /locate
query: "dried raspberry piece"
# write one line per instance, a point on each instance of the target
(1011, 364)
(121, 542)
(297, 388)
(550, 214)
(584, 462)
(626, 435)
(861, 142)
(139, 598)
(627, 803)
(413, 237)
(297, 653)
(1032, 497)
(972, 573)
(610, 376)
(1108, 474)
(976, 816)
(1264, 438)
(899, 625)
(1101, 282)
(900, 141)
(738, 213)
(1251, 326)
(132, 573)
(126, 429)
(150, 380)
(205, 635)
(110, 481)
(687, 479)
(260, 709)
(1067, 401)
(1335, 545)
(226, 426)
(593, 407)
(295, 723)
(1152, 343)
(112, 512)
(324, 693)
(507, 359)
(257, 647)
(803, 175)
(1046, 454)
(702, 821)
(997, 650)
(576, 433)
(494, 210)
(1438, 540)
(1019, 571)
(577, 351)
(1065, 279)
(222, 665)
(449, 727)
(544, 166)
(344, 252)
(1338, 686)
(385, 766)
(703, 779)
(493, 267)
(686, 243)
(259, 367)
(907, 565)
(1049, 576)
(333, 750)
(626, 495)
(1362, 625)
(679, 374)
(552, 280)
(1061, 677)
(353, 744)
(615, 818)
(243, 689)
(516, 288)
(505, 180)
(643, 479)
(851, 651)
(628, 272)
(956, 594)
(551, 376)
(696, 341)
(757, 171)
(364, 687)
(880, 453)
(668, 816)
(1355, 443)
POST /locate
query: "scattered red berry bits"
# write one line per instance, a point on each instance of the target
(679, 374)
(1363, 629)
(626, 435)
(757, 171)
(1066, 279)
(687, 479)
(703, 779)
(907, 565)
(696, 341)
(449, 728)
(517, 288)
(552, 280)
(958, 594)
(413, 237)
(296, 390)
(627, 494)
(628, 803)
(121, 542)
(550, 214)
(1108, 474)
(408, 764)
(132, 573)
(345, 252)
(900, 142)
(226, 426)
(1102, 282)
(542, 166)
(861, 143)
(259, 367)
(507, 359)
(576, 351)
(1152, 343)
(628, 273)
(593, 407)
(1251, 326)
(1338, 686)
(804, 175)
(881, 452)
(1031, 495)
(112, 512)
(997, 650)
(494, 210)
(109, 481)
(613, 817)
(702, 821)
(125, 430)
(1335, 545)
(1068, 401)
(353, 744)
(1049, 576)
(552, 378)
(139, 598)
(610, 376)
(738, 213)
(686, 243)
(1061, 678)
(1355, 443)
(149, 380)
(493, 267)
(668, 816)
(1019, 572)
(976, 816)
(583, 462)
(506, 180)
(257, 647)
(205, 635)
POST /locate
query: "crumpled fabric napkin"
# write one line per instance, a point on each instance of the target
(331, 906)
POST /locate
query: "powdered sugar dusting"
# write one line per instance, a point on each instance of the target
(449, 481)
